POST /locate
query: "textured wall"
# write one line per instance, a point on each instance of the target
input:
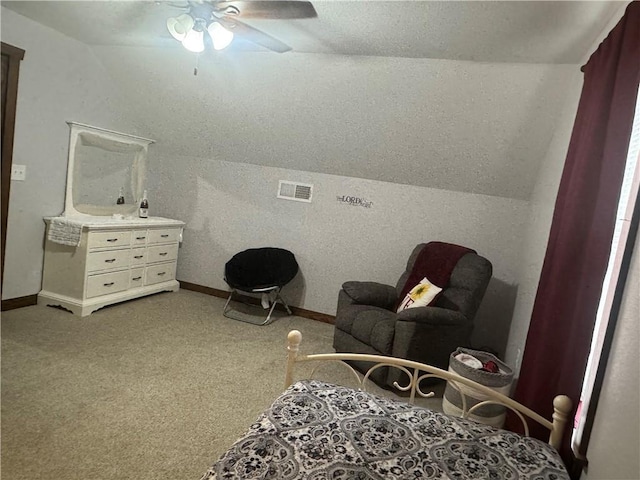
(60, 80)
(461, 126)
(539, 215)
(229, 207)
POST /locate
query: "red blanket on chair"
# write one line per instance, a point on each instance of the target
(435, 261)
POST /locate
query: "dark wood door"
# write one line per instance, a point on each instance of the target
(11, 57)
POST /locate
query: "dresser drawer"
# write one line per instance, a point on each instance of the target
(108, 260)
(137, 277)
(138, 256)
(162, 253)
(111, 264)
(108, 239)
(163, 235)
(107, 283)
(162, 272)
(139, 237)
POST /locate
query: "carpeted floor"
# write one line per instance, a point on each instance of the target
(154, 388)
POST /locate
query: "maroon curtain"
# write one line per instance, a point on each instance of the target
(579, 244)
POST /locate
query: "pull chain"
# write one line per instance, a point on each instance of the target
(195, 69)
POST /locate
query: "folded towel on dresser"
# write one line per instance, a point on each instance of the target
(65, 231)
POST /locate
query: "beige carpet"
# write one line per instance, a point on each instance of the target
(154, 388)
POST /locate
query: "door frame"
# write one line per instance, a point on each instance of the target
(15, 56)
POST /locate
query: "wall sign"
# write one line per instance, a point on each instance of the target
(354, 201)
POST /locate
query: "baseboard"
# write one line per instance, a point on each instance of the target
(300, 312)
(29, 300)
(19, 302)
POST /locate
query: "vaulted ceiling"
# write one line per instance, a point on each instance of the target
(453, 94)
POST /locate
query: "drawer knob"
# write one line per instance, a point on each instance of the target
(165, 235)
(112, 239)
(140, 238)
(161, 273)
(162, 254)
(136, 278)
(110, 260)
(138, 256)
(108, 284)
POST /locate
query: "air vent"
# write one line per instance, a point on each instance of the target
(300, 192)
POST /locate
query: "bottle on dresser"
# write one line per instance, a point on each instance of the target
(144, 206)
(120, 200)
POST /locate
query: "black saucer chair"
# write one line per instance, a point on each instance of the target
(261, 271)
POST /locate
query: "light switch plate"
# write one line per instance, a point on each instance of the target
(18, 172)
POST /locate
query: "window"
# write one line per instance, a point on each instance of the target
(606, 315)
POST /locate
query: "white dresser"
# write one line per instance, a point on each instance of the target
(115, 260)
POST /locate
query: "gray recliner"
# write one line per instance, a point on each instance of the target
(367, 322)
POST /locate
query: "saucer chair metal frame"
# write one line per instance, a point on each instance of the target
(259, 271)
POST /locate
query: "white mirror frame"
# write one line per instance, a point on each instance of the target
(138, 167)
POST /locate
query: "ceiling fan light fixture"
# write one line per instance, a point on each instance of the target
(180, 26)
(194, 41)
(220, 36)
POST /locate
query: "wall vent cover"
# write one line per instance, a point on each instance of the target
(300, 192)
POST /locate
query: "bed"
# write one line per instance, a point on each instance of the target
(318, 430)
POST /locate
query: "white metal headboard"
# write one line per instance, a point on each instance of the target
(417, 372)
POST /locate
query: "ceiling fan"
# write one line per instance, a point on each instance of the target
(221, 20)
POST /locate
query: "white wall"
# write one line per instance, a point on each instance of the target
(60, 80)
(229, 207)
(453, 125)
(615, 438)
(539, 214)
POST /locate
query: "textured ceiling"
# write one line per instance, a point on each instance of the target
(492, 31)
(463, 96)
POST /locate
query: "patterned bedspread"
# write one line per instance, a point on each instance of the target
(319, 431)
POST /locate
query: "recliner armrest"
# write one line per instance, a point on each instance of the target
(432, 316)
(370, 293)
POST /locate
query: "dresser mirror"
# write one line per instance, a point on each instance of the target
(103, 166)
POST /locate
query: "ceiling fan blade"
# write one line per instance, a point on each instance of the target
(254, 35)
(272, 9)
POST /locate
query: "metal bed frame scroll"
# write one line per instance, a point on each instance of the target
(417, 372)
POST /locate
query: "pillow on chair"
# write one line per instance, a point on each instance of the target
(421, 295)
